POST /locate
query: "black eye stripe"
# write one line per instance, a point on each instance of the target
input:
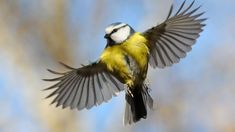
(116, 29)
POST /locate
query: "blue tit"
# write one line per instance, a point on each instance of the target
(124, 63)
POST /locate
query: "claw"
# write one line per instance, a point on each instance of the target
(130, 93)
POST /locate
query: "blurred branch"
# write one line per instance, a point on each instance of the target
(14, 27)
(53, 31)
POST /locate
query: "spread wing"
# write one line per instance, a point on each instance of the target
(84, 87)
(172, 39)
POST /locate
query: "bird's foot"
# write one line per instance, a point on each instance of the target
(129, 92)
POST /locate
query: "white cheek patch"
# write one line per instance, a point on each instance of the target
(121, 35)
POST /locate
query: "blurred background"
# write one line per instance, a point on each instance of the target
(196, 95)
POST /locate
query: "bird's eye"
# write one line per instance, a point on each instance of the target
(114, 30)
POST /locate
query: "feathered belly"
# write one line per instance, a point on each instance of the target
(117, 64)
(125, 67)
(136, 48)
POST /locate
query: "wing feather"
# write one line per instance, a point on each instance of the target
(65, 90)
(77, 93)
(71, 98)
(82, 101)
(173, 39)
(69, 94)
(83, 87)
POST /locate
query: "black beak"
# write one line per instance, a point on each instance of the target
(106, 36)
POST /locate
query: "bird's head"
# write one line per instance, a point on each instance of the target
(117, 33)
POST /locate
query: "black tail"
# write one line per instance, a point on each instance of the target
(136, 105)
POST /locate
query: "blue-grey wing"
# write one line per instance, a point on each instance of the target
(172, 39)
(84, 87)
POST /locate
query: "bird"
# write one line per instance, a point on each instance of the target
(124, 63)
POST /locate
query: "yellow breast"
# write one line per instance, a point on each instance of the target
(114, 58)
(136, 46)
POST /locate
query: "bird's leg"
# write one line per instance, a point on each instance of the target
(147, 82)
(129, 92)
(147, 85)
(129, 84)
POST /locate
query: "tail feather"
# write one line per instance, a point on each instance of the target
(136, 104)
